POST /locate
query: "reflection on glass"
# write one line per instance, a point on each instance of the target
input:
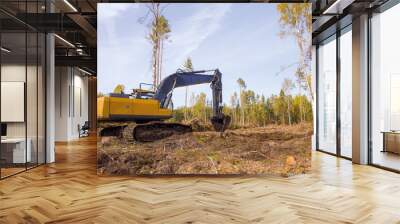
(31, 97)
(386, 89)
(327, 97)
(346, 94)
(22, 92)
(14, 153)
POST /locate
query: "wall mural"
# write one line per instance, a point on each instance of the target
(204, 89)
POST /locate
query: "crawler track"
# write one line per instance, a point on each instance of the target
(158, 130)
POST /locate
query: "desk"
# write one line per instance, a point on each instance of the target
(13, 150)
(391, 141)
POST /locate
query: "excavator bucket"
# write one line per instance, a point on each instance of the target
(221, 123)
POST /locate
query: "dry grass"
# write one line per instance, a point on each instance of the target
(281, 150)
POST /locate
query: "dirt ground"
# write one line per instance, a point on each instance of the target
(278, 150)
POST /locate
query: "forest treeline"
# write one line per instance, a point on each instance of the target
(248, 109)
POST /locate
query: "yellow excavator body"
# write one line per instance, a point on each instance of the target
(117, 108)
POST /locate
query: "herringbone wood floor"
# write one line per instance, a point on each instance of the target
(69, 191)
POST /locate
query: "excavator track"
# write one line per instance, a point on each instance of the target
(158, 130)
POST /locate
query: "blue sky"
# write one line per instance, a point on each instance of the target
(240, 39)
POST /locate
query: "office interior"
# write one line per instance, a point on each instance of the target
(43, 99)
(48, 93)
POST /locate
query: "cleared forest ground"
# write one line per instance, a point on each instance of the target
(274, 149)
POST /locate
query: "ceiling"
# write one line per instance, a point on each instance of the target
(75, 22)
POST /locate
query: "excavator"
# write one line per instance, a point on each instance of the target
(150, 108)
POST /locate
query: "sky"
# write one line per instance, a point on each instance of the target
(241, 40)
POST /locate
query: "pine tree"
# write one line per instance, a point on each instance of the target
(159, 30)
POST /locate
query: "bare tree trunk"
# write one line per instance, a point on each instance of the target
(186, 99)
(161, 60)
(154, 67)
(290, 118)
(302, 113)
(241, 107)
(158, 61)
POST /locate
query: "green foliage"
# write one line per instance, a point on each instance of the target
(241, 83)
(257, 110)
(119, 89)
(199, 108)
(178, 116)
(295, 20)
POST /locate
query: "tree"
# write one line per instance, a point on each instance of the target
(242, 86)
(159, 30)
(119, 89)
(287, 87)
(281, 106)
(234, 105)
(199, 108)
(187, 66)
(295, 20)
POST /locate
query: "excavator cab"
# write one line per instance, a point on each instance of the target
(142, 94)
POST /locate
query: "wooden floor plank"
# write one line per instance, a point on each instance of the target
(69, 191)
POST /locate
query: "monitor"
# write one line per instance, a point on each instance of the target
(3, 129)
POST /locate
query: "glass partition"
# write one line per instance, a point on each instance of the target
(13, 94)
(22, 78)
(346, 93)
(31, 97)
(41, 96)
(327, 96)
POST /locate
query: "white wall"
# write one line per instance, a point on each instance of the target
(12, 73)
(71, 102)
(61, 103)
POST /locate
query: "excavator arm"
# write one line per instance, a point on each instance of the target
(159, 130)
(182, 78)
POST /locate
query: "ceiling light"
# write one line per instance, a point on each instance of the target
(5, 50)
(84, 71)
(70, 5)
(65, 41)
(337, 7)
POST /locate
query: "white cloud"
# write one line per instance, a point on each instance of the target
(193, 31)
(108, 11)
